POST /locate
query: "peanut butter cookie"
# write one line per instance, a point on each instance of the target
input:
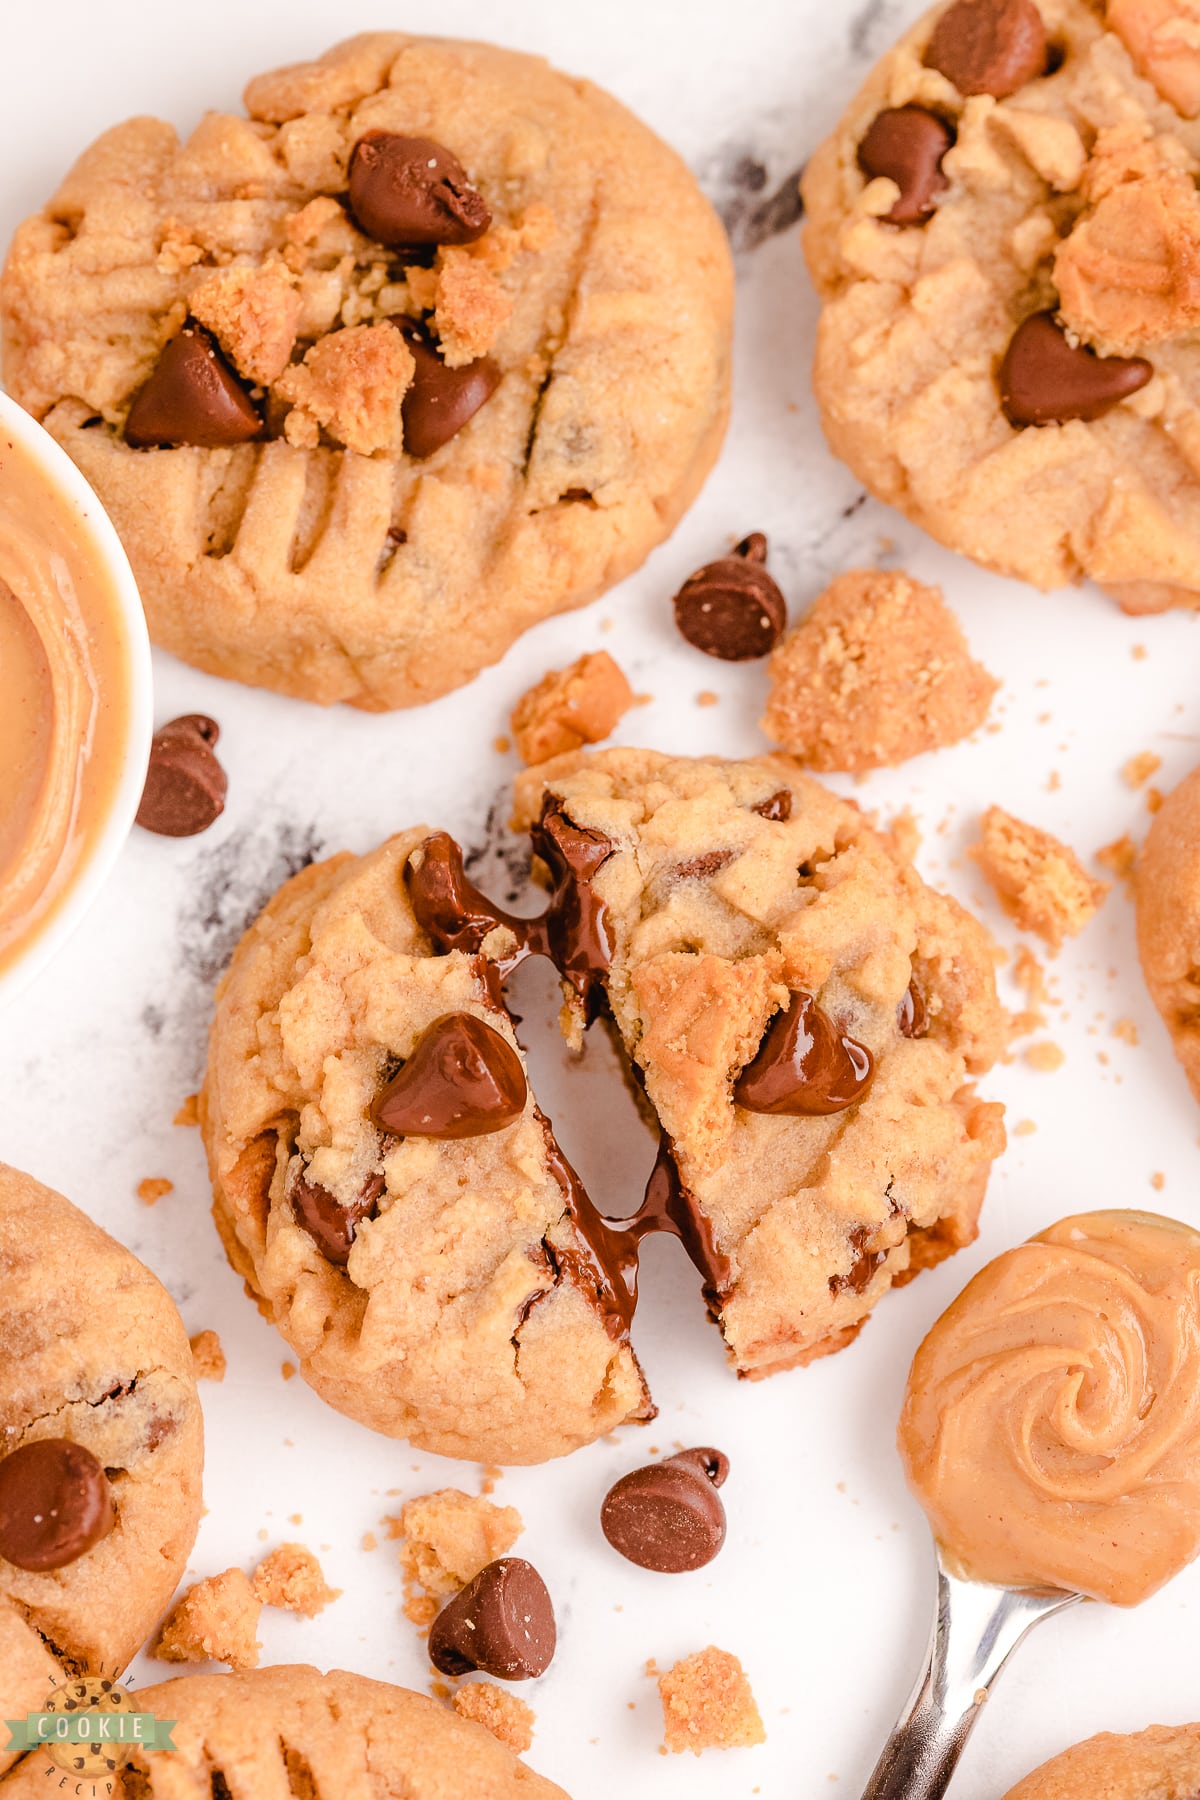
(291, 1730)
(803, 1013)
(101, 1447)
(1005, 232)
(1163, 1760)
(432, 344)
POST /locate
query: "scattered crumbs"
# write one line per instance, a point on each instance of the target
(448, 1537)
(1045, 1057)
(1154, 799)
(606, 624)
(1127, 1031)
(708, 1704)
(262, 1534)
(370, 1541)
(292, 1578)
(1139, 653)
(1119, 858)
(1039, 881)
(841, 1487)
(905, 833)
(1024, 1128)
(1103, 1058)
(287, 1370)
(571, 707)
(155, 1187)
(189, 1112)
(503, 1714)
(216, 1619)
(706, 697)
(643, 699)
(1158, 1181)
(502, 745)
(489, 1475)
(440, 1690)
(1138, 770)
(1053, 782)
(1044, 718)
(208, 1358)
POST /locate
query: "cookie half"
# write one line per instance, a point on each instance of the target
(1168, 920)
(432, 344)
(292, 1730)
(1163, 1760)
(389, 1188)
(1003, 230)
(93, 1356)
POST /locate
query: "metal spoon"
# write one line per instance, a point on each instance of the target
(975, 1630)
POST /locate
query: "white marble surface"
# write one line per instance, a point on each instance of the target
(824, 1585)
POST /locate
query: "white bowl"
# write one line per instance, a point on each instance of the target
(96, 865)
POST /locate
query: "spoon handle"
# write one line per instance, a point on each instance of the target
(975, 1630)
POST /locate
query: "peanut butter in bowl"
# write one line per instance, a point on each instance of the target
(74, 696)
(1051, 1424)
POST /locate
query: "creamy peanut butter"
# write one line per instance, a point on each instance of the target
(64, 697)
(1051, 1425)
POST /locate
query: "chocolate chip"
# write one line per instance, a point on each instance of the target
(906, 144)
(447, 905)
(440, 401)
(1046, 380)
(575, 931)
(412, 190)
(502, 1623)
(989, 46)
(668, 1516)
(732, 608)
(864, 1267)
(332, 1225)
(775, 806)
(55, 1504)
(912, 1017)
(804, 1064)
(185, 784)
(192, 397)
(463, 1080)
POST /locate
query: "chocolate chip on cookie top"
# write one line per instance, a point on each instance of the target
(502, 1623)
(440, 400)
(668, 1516)
(413, 191)
(1045, 379)
(55, 1504)
(185, 784)
(192, 397)
(733, 608)
(462, 1080)
(331, 1223)
(989, 46)
(804, 1064)
(906, 144)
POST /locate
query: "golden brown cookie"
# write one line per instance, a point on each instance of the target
(1162, 1762)
(316, 525)
(1006, 246)
(93, 1357)
(1167, 886)
(292, 1731)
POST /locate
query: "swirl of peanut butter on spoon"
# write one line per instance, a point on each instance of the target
(1051, 1424)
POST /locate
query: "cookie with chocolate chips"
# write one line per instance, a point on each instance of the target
(1004, 230)
(101, 1446)
(803, 1014)
(433, 343)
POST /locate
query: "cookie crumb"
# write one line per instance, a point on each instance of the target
(216, 1620)
(208, 1358)
(501, 1713)
(1041, 883)
(571, 707)
(1158, 1181)
(253, 314)
(489, 1475)
(1139, 653)
(878, 672)
(706, 697)
(1024, 1128)
(287, 1370)
(154, 1188)
(1119, 858)
(370, 1541)
(292, 1578)
(448, 1538)
(905, 833)
(189, 1112)
(350, 383)
(1127, 1031)
(1045, 1057)
(502, 745)
(1138, 770)
(1154, 799)
(708, 1705)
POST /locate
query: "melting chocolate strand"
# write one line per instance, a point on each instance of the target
(575, 929)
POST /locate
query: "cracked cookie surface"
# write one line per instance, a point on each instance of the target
(1067, 210)
(292, 1730)
(92, 1351)
(322, 558)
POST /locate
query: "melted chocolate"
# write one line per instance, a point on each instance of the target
(866, 1262)
(912, 1016)
(804, 1064)
(775, 806)
(331, 1225)
(575, 931)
